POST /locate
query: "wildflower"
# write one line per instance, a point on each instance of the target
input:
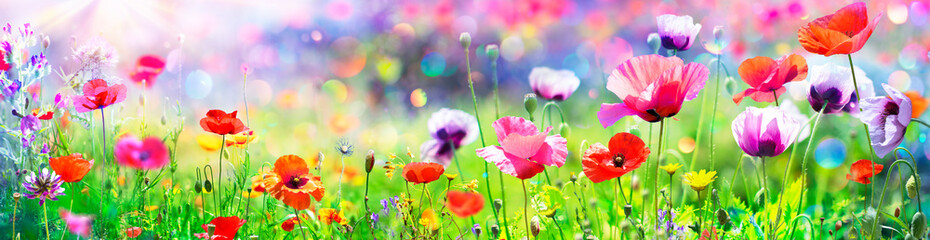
(147, 69)
(98, 94)
(831, 89)
(292, 183)
(764, 132)
(556, 85)
(330, 216)
(224, 228)
(370, 160)
(241, 139)
(133, 232)
(677, 32)
(767, 77)
(861, 171)
(652, 87)
(843, 32)
(77, 224)
(46, 185)
(699, 180)
(288, 225)
(524, 151)
(422, 172)
(429, 219)
(149, 153)
(918, 103)
(72, 168)
(344, 147)
(450, 129)
(28, 125)
(887, 118)
(208, 142)
(464, 204)
(222, 123)
(671, 168)
(710, 234)
(626, 152)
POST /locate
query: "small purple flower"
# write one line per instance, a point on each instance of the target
(29, 124)
(375, 218)
(887, 117)
(449, 129)
(45, 185)
(553, 84)
(764, 132)
(831, 89)
(677, 32)
(476, 229)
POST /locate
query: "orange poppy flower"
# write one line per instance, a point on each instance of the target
(918, 104)
(242, 138)
(843, 32)
(626, 153)
(464, 204)
(292, 183)
(861, 171)
(133, 232)
(422, 172)
(72, 168)
(767, 77)
(330, 216)
(288, 225)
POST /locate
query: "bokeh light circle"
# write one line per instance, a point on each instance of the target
(512, 48)
(899, 80)
(418, 97)
(686, 145)
(336, 89)
(348, 57)
(259, 92)
(389, 69)
(577, 64)
(198, 84)
(897, 13)
(433, 64)
(830, 153)
(909, 55)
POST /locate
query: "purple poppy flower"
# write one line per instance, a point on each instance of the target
(553, 84)
(887, 117)
(46, 185)
(677, 32)
(450, 129)
(764, 132)
(832, 89)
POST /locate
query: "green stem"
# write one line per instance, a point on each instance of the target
(497, 101)
(526, 206)
(219, 182)
(920, 122)
(868, 137)
(881, 200)
(45, 210)
(810, 141)
(297, 215)
(655, 186)
(803, 165)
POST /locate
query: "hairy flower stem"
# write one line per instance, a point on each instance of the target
(810, 142)
(868, 137)
(45, 210)
(341, 173)
(655, 186)
(526, 206)
(784, 183)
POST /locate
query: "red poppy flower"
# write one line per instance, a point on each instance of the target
(148, 68)
(133, 232)
(626, 153)
(292, 183)
(72, 168)
(226, 228)
(4, 66)
(843, 32)
(422, 172)
(45, 116)
(464, 204)
(861, 171)
(98, 95)
(767, 77)
(288, 225)
(222, 123)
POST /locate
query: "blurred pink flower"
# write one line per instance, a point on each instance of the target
(77, 224)
(150, 153)
(553, 84)
(524, 151)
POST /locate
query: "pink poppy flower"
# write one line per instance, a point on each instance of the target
(652, 87)
(524, 151)
(551, 84)
(98, 95)
(150, 153)
(77, 224)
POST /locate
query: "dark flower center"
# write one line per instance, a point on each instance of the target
(891, 109)
(767, 148)
(619, 159)
(295, 182)
(144, 156)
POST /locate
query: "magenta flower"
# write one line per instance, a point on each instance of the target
(98, 94)
(764, 132)
(150, 153)
(551, 84)
(677, 32)
(77, 224)
(524, 151)
(449, 129)
(45, 186)
(652, 87)
(887, 117)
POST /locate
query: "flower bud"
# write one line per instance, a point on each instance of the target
(534, 226)
(911, 187)
(627, 210)
(495, 231)
(465, 39)
(493, 52)
(730, 85)
(897, 211)
(211, 229)
(498, 203)
(207, 186)
(714, 196)
(164, 120)
(370, 161)
(654, 42)
(718, 32)
(529, 102)
(919, 224)
(198, 187)
(760, 197)
(722, 217)
(565, 130)
(839, 224)
(319, 159)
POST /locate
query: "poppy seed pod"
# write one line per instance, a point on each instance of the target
(722, 217)
(211, 229)
(495, 231)
(493, 52)
(370, 161)
(627, 210)
(16, 196)
(535, 226)
(477, 231)
(465, 39)
(498, 203)
(919, 224)
(529, 103)
(911, 187)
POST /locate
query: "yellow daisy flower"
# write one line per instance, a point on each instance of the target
(671, 168)
(699, 180)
